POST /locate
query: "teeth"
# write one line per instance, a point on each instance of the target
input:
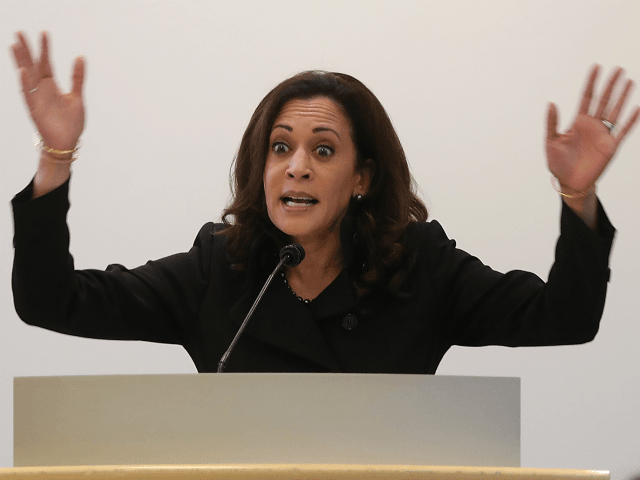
(298, 201)
(291, 203)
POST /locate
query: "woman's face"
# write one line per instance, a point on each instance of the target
(310, 173)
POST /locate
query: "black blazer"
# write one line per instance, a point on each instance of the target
(196, 300)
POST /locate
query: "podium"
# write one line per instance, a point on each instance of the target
(269, 426)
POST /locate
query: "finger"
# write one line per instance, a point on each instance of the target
(604, 100)
(23, 50)
(21, 55)
(25, 44)
(588, 91)
(552, 122)
(27, 83)
(613, 115)
(29, 73)
(78, 75)
(45, 65)
(627, 128)
(15, 50)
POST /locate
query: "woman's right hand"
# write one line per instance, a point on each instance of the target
(59, 117)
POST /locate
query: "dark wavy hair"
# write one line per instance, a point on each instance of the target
(388, 208)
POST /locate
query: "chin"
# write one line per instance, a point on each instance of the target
(294, 231)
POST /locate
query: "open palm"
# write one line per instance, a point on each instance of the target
(578, 157)
(59, 117)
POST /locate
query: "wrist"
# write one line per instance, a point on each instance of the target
(52, 172)
(584, 203)
(585, 207)
(54, 168)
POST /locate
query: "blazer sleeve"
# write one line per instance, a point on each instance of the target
(480, 306)
(156, 302)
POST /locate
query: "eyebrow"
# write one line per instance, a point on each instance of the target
(315, 130)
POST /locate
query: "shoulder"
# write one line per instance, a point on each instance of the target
(211, 244)
(435, 252)
(209, 231)
(209, 234)
(424, 235)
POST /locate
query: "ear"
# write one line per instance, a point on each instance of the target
(365, 174)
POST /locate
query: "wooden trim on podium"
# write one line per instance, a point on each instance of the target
(295, 471)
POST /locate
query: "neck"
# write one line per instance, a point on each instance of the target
(322, 255)
(322, 263)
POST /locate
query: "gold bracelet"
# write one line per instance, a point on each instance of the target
(39, 143)
(566, 195)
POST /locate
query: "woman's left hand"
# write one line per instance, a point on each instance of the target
(578, 157)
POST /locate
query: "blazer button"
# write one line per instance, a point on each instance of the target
(349, 322)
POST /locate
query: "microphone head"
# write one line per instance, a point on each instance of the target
(292, 255)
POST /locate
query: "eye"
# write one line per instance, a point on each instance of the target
(324, 150)
(279, 147)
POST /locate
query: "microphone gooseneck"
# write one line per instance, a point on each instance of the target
(290, 256)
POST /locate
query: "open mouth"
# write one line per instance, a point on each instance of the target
(299, 201)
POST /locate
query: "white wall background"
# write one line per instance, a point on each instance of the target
(170, 88)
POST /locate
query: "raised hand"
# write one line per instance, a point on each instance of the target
(59, 117)
(578, 157)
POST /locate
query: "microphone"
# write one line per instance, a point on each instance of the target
(290, 256)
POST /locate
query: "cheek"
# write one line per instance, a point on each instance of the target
(267, 178)
(345, 184)
(340, 194)
(270, 185)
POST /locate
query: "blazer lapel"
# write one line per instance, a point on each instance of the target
(280, 319)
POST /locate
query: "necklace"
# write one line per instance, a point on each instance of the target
(303, 300)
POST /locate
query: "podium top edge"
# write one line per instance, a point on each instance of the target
(309, 471)
(265, 374)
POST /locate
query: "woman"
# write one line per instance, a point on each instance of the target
(380, 289)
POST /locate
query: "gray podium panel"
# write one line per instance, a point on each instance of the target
(240, 418)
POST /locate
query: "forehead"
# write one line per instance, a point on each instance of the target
(314, 110)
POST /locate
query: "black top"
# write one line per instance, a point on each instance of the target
(196, 300)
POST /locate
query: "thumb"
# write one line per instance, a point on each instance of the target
(78, 75)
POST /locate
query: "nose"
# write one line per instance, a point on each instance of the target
(299, 166)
